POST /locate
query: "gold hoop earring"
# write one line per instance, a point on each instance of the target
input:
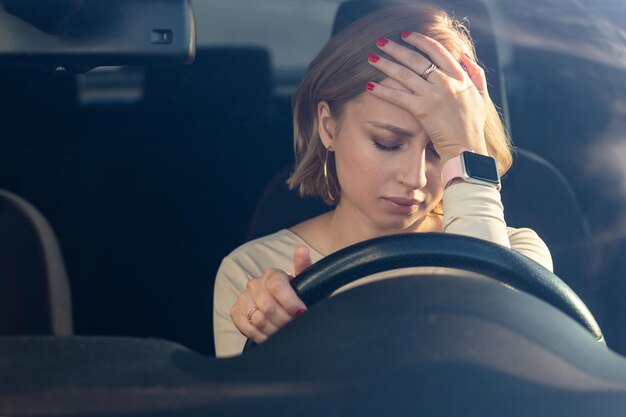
(332, 198)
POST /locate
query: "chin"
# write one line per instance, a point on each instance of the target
(400, 224)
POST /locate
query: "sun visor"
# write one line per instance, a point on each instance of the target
(83, 34)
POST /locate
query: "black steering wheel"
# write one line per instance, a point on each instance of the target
(440, 250)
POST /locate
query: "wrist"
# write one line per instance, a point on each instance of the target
(445, 157)
(455, 181)
(453, 153)
(476, 144)
(471, 167)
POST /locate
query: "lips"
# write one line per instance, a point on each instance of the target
(402, 206)
(403, 201)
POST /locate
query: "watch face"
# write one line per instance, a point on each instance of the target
(481, 167)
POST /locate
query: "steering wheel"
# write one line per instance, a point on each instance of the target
(440, 250)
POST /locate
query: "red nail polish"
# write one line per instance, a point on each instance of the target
(373, 57)
(405, 34)
(299, 312)
(382, 41)
(369, 86)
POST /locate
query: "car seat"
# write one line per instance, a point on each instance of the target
(34, 289)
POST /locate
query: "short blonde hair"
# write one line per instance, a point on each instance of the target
(340, 71)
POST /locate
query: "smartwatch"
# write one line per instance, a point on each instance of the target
(473, 168)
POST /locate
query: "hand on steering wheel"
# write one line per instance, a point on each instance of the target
(442, 250)
(269, 301)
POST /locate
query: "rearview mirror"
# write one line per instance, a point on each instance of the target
(83, 34)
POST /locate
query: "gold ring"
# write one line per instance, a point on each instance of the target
(428, 71)
(251, 312)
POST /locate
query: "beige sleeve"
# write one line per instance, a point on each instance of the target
(527, 242)
(476, 210)
(229, 283)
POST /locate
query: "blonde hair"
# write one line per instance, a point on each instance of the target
(339, 73)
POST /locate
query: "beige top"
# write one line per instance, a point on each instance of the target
(469, 209)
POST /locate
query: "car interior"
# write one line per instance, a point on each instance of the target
(124, 187)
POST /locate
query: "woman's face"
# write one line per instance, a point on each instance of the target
(389, 173)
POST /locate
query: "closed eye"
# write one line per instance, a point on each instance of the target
(387, 148)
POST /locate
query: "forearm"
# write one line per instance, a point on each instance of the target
(476, 211)
(229, 283)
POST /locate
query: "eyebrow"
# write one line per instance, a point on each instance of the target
(394, 129)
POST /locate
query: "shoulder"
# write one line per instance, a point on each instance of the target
(271, 251)
(275, 244)
(527, 242)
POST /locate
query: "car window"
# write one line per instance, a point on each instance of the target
(291, 42)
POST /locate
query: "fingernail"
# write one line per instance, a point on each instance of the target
(467, 56)
(405, 34)
(369, 86)
(299, 312)
(373, 57)
(382, 42)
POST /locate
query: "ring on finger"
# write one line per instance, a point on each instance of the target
(428, 71)
(251, 312)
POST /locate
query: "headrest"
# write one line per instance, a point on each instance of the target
(352, 10)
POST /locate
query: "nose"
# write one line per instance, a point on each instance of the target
(412, 170)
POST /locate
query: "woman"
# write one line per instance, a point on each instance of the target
(381, 120)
